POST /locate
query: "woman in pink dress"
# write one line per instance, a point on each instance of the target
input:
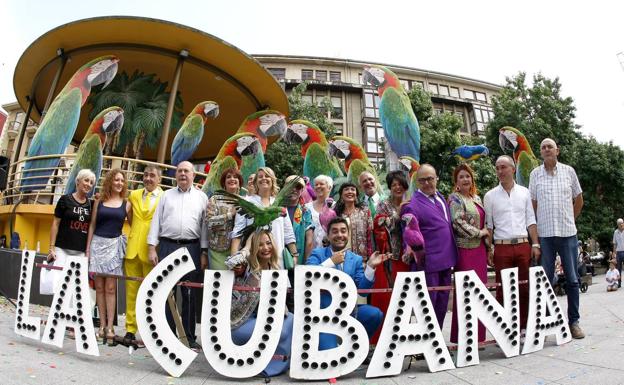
(468, 218)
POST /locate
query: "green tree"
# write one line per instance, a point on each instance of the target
(285, 159)
(439, 136)
(539, 111)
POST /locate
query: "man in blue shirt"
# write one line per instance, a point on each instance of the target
(338, 257)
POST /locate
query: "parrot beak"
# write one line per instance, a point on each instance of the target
(211, 110)
(296, 133)
(248, 147)
(373, 76)
(507, 140)
(405, 165)
(113, 121)
(273, 125)
(103, 72)
(337, 150)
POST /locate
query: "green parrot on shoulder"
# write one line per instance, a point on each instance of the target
(511, 138)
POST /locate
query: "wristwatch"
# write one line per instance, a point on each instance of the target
(536, 245)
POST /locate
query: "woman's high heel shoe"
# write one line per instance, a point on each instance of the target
(110, 336)
(101, 335)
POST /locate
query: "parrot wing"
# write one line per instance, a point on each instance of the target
(187, 139)
(90, 157)
(280, 199)
(400, 124)
(526, 164)
(52, 137)
(318, 162)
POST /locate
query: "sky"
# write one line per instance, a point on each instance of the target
(484, 40)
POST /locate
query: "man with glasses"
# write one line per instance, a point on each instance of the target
(558, 200)
(434, 217)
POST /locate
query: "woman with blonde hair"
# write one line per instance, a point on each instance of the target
(468, 219)
(263, 256)
(106, 245)
(266, 187)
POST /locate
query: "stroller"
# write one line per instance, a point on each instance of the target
(585, 279)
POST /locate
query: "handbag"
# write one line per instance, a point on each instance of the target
(289, 262)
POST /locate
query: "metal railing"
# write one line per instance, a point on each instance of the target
(54, 187)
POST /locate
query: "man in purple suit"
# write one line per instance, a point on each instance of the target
(434, 217)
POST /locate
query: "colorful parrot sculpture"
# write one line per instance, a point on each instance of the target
(59, 124)
(89, 155)
(413, 242)
(397, 117)
(410, 165)
(356, 160)
(262, 216)
(264, 124)
(251, 163)
(192, 131)
(381, 233)
(467, 153)
(314, 149)
(230, 156)
(511, 138)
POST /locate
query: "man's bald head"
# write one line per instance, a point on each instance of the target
(426, 167)
(550, 141)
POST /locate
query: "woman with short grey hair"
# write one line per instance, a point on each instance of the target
(321, 208)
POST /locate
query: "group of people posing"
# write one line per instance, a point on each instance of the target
(369, 237)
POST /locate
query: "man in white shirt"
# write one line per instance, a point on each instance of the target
(510, 220)
(178, 222)
(558, 200)
(618, 248)
(369, 187)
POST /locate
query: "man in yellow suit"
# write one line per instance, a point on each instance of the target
(137, 264)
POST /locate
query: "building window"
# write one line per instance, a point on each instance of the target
(321, 75)
(406, 84)
(374, 137)
(479, 118)
(334, 76)
(433, 88)
(419, 84)
(336, 102)
(454, 92)
(475, 95)
(444, 90)
(307, 74)
(371, 104)
(278, 73)
(338, 128)
(307, 98)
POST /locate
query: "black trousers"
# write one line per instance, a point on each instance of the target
(188, 294)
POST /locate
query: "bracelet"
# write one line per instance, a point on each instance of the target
(536, 245)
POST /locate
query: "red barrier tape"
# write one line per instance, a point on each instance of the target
(199, 285)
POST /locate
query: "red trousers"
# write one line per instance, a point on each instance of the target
(519, 255)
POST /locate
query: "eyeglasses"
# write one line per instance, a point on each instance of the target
(428, 179)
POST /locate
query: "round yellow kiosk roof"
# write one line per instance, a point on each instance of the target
(214, 70)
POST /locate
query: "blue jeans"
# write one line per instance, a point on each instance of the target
(567, 247)
(619, 259)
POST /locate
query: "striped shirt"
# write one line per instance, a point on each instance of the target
(555, 195)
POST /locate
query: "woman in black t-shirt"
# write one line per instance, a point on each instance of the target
(72, 215)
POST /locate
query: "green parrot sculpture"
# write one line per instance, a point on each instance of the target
(59, 124)
(262, 216)
(89, 155)
(410, 165)
(230, 156)
(191, 133)
(511, 138)
(356, 160)
(314, 149)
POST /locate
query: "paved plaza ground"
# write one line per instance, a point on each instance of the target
(597, 359)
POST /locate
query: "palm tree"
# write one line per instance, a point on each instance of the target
(144, 100)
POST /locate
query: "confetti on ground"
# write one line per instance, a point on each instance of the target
(130, 363)
(412, 377)
(33, 376)
(499, 372)
(11, 343)
(61, 353)
(53, 366)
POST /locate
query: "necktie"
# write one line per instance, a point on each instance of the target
(371, 206)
